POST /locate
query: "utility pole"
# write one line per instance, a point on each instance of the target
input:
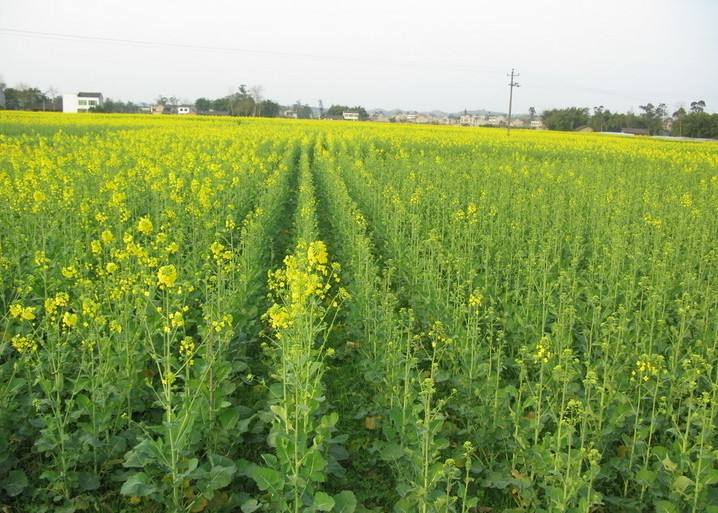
(321, 109)
(512, 84)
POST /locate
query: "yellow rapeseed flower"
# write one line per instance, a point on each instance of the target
(69, 319)
(23, 344)
(167, 276)
(69, 272)
(26, 313)
(144, 225)
(107, 237)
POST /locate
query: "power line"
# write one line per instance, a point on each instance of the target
(227, 49)
(406, 63)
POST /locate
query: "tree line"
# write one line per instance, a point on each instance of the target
(24, 97)
(245, 101)
(694, 122)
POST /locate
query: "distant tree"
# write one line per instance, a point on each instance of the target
(203, 104)
(2, 93)
(24, 97)
(116, 106)
(256, 94)
(678, 117)
(598, 120)
(336, 111)
(698, 106)
(51, 100)
(700, 124)
(653, 116)
(532, 113)
(305, 112)
(565, 119)
(242, 106)
(269, 109)
(241, 103)
(221, 104)
(363, 114)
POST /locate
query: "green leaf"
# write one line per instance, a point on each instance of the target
(328, 421)
(88, 481)
(681, 483)
(250, 506)
(711, 477)
(345, 502)
(668, 464)
(220, 476)
(665, 507)
(279, 411)
(138, 485)
(228, 418)
(84, 402)
(323, 502)
(645, 477)
(267, 479)
(391, 452)
(15, 483)
(315, 465)
(141, 455)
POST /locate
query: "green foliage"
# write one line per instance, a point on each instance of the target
(268, 109)
(336, 111)
(565, 119)
(203, 104)
(700, 124)
(30, 98)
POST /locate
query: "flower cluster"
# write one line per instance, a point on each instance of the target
(23, 344)
(25, 313)
(59, 300)
(187, 349)
(648, 367)
(167, 276)
(542, 354)
(476, 299)
(144, 226)
(306, 276)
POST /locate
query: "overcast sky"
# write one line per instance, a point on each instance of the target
(409, 54)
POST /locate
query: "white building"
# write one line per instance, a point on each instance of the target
(350, 116)
(472, 120)
(425, 119)
(81, 102)
(184, 109)
(497, 120)
(536, 124)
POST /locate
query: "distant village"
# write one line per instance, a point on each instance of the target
(92, 101)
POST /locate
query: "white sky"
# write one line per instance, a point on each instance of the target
(446, 54)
